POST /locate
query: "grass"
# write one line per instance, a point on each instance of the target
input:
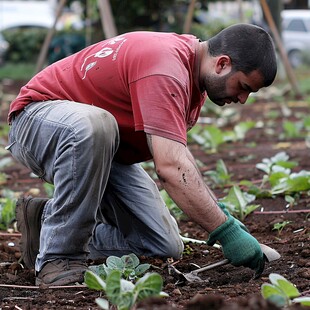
(18, 71)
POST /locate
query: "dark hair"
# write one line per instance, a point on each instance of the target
(249, 48)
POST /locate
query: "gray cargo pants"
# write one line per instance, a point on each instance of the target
(99, 207)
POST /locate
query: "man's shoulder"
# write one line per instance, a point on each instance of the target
(151, 39)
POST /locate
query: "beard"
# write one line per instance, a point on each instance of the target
(215, 87)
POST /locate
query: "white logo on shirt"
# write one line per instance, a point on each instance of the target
(104, 52)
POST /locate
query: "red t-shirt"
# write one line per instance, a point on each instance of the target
(147, 80)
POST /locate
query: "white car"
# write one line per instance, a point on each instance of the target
(296, 35)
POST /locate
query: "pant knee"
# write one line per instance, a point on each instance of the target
(100, 130)
(171, 247)
(175, 249)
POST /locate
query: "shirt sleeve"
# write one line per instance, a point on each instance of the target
(159, 106)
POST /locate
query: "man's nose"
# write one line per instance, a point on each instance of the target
(243, 97)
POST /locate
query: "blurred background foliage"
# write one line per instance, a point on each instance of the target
(129, 15)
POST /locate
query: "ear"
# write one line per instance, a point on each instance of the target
(223, 64)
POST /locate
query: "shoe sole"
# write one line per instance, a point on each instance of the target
(26, 238)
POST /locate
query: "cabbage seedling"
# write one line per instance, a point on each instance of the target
(282, 292)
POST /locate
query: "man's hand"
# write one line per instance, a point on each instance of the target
(238, 245)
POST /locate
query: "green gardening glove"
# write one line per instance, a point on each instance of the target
(223, 207)
(239, 246)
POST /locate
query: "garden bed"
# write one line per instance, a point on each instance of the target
(224, 287)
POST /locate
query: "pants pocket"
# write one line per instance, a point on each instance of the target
(24, 156)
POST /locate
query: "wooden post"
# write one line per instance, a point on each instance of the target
(189, 17)
(283, 54)
(48, 38)
(107, 20)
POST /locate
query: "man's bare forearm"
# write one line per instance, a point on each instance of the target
(183, 182)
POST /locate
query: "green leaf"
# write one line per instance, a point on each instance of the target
(291, 129)
(141, 269)
(130, 261)
(276, 178)
(198, 139)
(262, 166)
(284, 285)
(102, 303)
(114, 262)
(289, 199)
(7, 212)
(126, 286)
(221, 167)
(279, 300)
(299, 184)
(280, 188)
(149, 285)
(98, 270)
(274, 295)
(305, 301)
(249, 209)
(238, 193)
(242, 128)
(269, 290)
(213, 136)
(93, 281)
(113, 286)
(287, 164)
(288, 288)
(126, 301)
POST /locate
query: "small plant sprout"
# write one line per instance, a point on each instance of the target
(282, 292)
(280, 226)
(128, 265)
(220, 176)
(122, 293)
(238, 203)
(291, 201)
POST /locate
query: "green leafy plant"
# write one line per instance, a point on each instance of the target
(49, 189)
(282, 292)
(188, 250)
(290, 182)
(128, 265)
(122, 293)
(175, 210)
(279, 176)
(292, 129)
(3, 178)
(210, 137)
(7, 208)
(238, 203)
(280, 226)
(242, 128)
(278, 162)
(220, 175)
(291, 200)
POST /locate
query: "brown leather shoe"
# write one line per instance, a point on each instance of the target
(61, 272)
(28, 216)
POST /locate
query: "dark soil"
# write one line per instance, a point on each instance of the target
(224, 287)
